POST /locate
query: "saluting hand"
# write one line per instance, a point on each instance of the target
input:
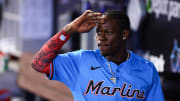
(85, 22)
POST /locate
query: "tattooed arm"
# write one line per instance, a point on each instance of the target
(84, 23)
(48, 52)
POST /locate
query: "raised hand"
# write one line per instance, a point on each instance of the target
(85, 22)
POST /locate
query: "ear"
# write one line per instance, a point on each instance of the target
(125, 34)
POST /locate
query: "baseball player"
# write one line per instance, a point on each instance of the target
(109, 73)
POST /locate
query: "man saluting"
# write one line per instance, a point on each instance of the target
(110, 73)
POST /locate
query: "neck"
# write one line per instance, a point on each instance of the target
(118, 58)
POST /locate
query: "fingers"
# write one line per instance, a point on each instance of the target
(94, 17)
(93, 14)
(98, 19)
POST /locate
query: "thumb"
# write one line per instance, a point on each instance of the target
(91, 26)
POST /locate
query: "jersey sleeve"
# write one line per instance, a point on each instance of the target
(155, 93)
(64, 69)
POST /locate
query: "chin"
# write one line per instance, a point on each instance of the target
(104, 53)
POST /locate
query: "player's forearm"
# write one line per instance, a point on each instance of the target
(50, 49)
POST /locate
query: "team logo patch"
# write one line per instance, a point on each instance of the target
(62, 37)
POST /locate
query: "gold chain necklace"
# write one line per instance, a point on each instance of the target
(113, 78)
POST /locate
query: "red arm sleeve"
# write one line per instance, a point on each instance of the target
(43, 58)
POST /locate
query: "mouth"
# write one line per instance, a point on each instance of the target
(103, 46)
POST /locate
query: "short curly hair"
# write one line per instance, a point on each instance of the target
(121, 18)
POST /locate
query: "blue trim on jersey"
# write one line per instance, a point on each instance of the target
(136, 78)
(49, 76)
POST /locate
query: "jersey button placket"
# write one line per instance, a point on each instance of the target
(114, 69)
